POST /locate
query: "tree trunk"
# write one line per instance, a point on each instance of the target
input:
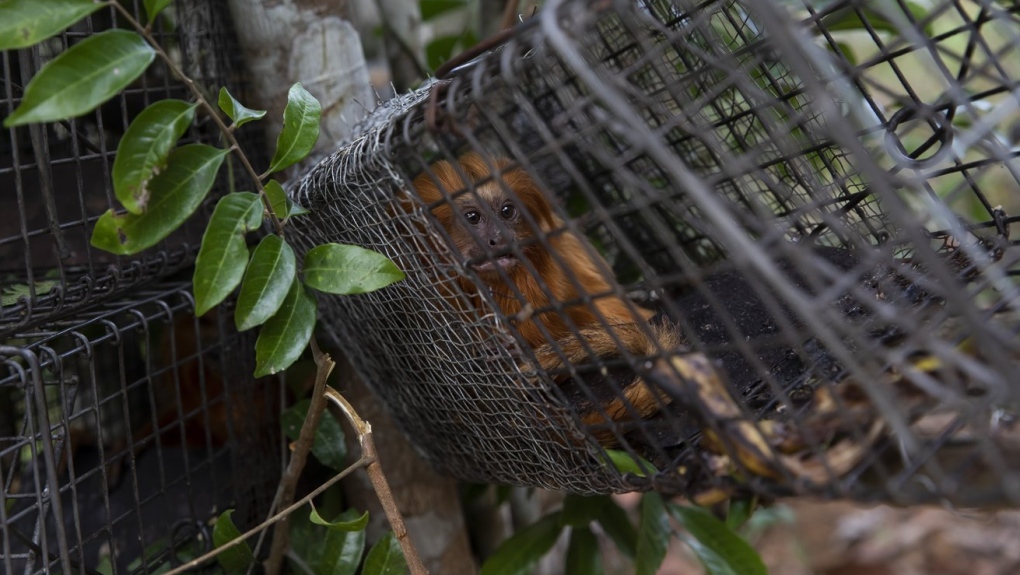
(305, 41)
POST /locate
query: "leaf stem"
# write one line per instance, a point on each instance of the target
(227, 133)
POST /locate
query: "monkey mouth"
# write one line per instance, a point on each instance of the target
(505, 261)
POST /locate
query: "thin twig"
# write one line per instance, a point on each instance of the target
(324, 365)
(379, 483)
(362, 462)
(213, 113)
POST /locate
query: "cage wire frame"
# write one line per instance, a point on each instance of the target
(825, 217)
(59, 174)
(126, 431)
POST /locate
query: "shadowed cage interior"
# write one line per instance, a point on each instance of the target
(145, 419)
(818, 194)
(126, 424)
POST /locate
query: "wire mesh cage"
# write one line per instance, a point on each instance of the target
(126, 431)
(56, 177)
(746, 246)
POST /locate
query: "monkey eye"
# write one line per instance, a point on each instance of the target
(508, 211)
(472, 217)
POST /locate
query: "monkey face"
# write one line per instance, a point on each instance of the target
(491, 221)
(488, 216)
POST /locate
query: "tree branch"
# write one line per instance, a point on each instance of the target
(324, 365)
(379, 483)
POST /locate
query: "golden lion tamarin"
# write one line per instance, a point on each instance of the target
(563, 297)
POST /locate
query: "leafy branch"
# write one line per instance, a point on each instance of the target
(227, 131)
(160, 185)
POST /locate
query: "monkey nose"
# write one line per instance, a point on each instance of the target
(497, 241)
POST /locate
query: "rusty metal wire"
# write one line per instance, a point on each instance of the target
(56, 177)
(818, 194)
(147, 423)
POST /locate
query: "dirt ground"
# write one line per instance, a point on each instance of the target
(822, 538)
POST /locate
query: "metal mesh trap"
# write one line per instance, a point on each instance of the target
(56, 178)
(815, 198)
(126, 431)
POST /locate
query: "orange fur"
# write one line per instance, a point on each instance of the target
(576, 306)
(571, 259)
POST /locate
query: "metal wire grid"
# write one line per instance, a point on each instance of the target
(146, 422)
(56, 177)
(769, 186)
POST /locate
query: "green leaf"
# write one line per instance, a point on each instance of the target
(154, 556)
(224, 254)
(519, 554)
(340, 550)
(105, 566)
(283, 207)
(154, 7)
(583, 554)
(432, 8)
(739, 512)
(27, 22)
(440, 49)
(720, 550)
(173, 195)
(779, 516)
(581, 510)
(328, 446)
(269, 276)
(286, 334)
(879, 15)
(278, 199)
(653, 535)
(237, 558)
(468, 38)
(346, 524)
(86, 75)
(300, 128)
(143, 151)
(385, 558)
(847, 50)
(11, 293)
(617, 525)
(344, 269)
(237, 111)
(305, 541)
(626, 463)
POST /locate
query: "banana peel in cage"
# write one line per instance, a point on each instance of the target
(803, 423)
(820, 443)
(813, 423)
(837, 435)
